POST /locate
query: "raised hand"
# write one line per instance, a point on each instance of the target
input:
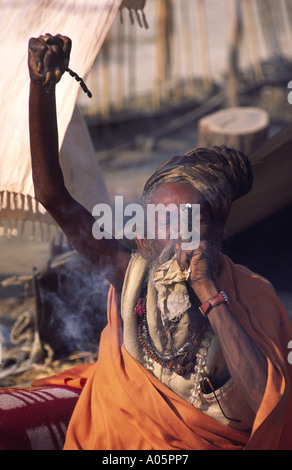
(198, 263)
(48, 59)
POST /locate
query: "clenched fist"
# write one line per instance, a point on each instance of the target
(201, 264)
(48, 59)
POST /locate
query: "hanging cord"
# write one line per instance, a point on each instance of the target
(49, 40)
(80, 81)
(206, 379)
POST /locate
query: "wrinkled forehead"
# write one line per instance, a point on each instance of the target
(178, 193)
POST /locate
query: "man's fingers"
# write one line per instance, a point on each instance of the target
(49, 57)
(48, 78)
(36, 52)
(183, 257)
(47, 37)
(66, 48)
(67, 43)
(39, 67)
(35, 44)
(37, 48)
(58, 75)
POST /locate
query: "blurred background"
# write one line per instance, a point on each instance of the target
(152, 87)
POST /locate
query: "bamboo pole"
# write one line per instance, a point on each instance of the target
(235, 37)
(92, 106)
(105, 94)
(176, 58)
(202, 27)
(187, 46)
(286, 33)
(266, 12)
(281, 27)
(132, 62)
(251, 30)
(163, 55)
(120, 91)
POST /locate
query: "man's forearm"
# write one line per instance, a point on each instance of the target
(46, 170)
(246, 363)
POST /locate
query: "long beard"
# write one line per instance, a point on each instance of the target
(169, 251)
(175, 334)
(167, 254)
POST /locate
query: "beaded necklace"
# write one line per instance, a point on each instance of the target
(182, 362)
(185, 360)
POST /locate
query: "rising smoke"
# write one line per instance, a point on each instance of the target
(71, 306)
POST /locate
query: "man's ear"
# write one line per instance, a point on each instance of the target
(143, 246)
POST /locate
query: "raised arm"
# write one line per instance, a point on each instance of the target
(48, 59)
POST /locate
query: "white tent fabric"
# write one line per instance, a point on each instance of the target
(87, 23)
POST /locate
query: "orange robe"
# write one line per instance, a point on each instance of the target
(124, 407)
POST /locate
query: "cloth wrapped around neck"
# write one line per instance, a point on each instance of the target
(172, 295)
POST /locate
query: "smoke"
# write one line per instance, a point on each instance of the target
(71, 311)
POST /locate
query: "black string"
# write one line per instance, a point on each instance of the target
(219, 404)
(81, 82)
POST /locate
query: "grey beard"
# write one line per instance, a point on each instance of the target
(167, 254)
(169, 251)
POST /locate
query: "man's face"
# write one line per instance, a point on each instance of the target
(178, 193)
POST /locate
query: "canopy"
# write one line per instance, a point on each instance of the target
(87, 23)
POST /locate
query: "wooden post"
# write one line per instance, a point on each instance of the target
(120, 79)
(286, 34)
(241, 128)
(235, 37)
(176, 56)
(164, 31)
(266, 13)
(132, 62)
(187, 52)
(204, 44)
(105, 96)
(251, 30)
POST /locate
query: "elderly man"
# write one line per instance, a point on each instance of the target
(194, 354)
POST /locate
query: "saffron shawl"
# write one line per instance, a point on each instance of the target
(124, 407)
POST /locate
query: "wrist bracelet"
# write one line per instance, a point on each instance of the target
(220, 298)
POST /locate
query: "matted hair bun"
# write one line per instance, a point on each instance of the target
(221, 174)
(237, 169)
